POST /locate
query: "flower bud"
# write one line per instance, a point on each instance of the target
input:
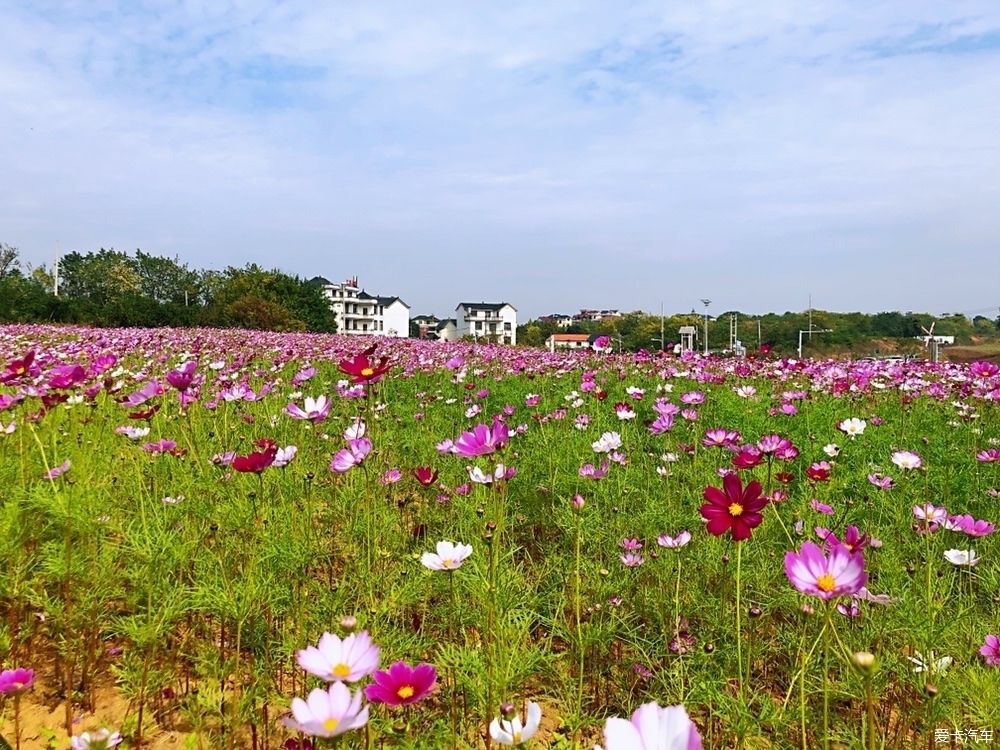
(578, 502)
(865, 661)
(507, 711)
(349, 623)
(930, 690)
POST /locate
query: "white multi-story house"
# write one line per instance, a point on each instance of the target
(491, 321)
(361, 314)
(447, 330)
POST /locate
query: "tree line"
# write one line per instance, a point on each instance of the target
(114, 288)
(876, 333)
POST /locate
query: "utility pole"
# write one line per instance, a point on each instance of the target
(55, 272)
(706, 303)
(661, 339)
(810, 318)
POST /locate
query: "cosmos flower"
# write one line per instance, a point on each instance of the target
(832, 450)
(509, 730)
(963, 558)
(906, 460)
(747, 458)
(991, 651)
(58, 471)
(811, 572)
(852, 427)
(881, 481)
(351, 659)
(284, 456)
(588, 471)
(733, 508)
(425, 475)
(988, 456)
(482, 440)
(315, 410)
(819, 472)
(609, 441)
(353, 455)
(15, 681)
(102, 739)
(257, 461)
(931, 665)
(652, 727)
(362, 370)
(674, 542)
(449, 556)
(402, 684)
(328, 713)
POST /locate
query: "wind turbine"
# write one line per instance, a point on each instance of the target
(933, 347)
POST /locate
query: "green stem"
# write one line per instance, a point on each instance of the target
(739, 613)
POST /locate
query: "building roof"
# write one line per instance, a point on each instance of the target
(485, 305)
(426, 318)
(570, 337)
(320, 281)
(445, 321)
(383, 301)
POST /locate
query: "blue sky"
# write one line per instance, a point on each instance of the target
(555, 155)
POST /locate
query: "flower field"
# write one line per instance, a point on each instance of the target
(231, 539)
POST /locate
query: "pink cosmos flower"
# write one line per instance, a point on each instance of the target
(315, 410)
(328, 713)
(390, 477)
(632, 559)
(819, 507)
(931, 515)
(853, 540)
(907, 460)
(813, 573)
(353, 455)
(624, 411)
(58, 471)
(482, 440)
(988, 456)
(652, 727)
(880, 481)
(183, 377)
(351, 659)
(693, 398)
(674, 542)
(662, 424)
(747, 458)
(991, 651)
(630, 544)
(284, 456)
(402, 684)
(719, 438)
(14, 681)
(589, 472)
(691, 415)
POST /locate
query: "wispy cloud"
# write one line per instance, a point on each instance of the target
(556, 154)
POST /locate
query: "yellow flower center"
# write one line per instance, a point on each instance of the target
(735, 510)
(405, 692)
(19, 370)
(447, 563)
(826, 583)
(367, 372)
(330, 725)
(341, 670)
(517, 738)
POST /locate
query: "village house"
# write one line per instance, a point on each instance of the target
(359, 313)
(571, 341)
(490, 321)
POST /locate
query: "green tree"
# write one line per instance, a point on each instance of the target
(10, 260)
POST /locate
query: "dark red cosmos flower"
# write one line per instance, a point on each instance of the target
(425, 475)
(257, 461)
(733, 508)
(785, 477)
(747, 458)
(819, 472)
(18, 368)
(147, 414)
(363, 370)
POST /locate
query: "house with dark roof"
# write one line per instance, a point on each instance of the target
(359, 313)
(488, 321)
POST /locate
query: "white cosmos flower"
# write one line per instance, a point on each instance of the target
(513, 732)
(449, 556)
(832, 450)
(965, 558)
(609, 441)
(853, 427)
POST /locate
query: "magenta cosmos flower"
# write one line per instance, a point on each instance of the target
(350, 659)
(652, 727)
(402, 684)
(14, 681)
(813, 573)
(733, 508)
(991, 651)
(482, 441)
